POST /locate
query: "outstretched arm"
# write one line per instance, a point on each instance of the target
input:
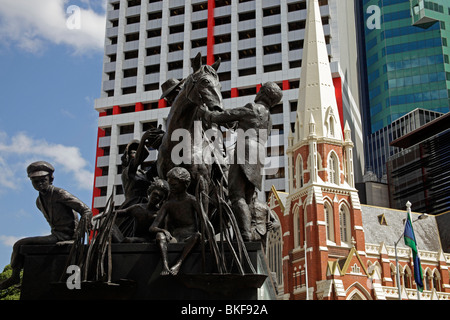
(225, 117)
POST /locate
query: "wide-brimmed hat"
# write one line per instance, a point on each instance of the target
(132, 145)
(39, 169)
(170, 85)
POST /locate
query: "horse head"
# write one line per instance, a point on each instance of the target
(202, 87)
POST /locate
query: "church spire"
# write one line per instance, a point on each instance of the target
(317, 98)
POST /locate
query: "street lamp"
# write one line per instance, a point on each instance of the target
(421, 217)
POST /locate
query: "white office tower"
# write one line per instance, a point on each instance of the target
(149, 41)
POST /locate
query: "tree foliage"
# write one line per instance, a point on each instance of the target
(13, 292)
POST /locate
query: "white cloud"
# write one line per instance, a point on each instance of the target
(32, 24)
(8, 240)
(20, 150)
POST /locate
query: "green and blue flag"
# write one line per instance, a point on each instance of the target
(410, 241)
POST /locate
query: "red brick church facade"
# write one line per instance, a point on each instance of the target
(323, 249)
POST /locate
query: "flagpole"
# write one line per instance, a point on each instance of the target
(399, 287)
(410, 241)
(421, 217)
(408, 206)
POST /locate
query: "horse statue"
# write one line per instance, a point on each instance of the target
(201, 88)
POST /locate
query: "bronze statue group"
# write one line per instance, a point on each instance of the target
(167, 202)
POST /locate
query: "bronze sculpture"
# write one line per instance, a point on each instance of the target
(145, 213)
(184, 216)
(58, 207)
(177, 220)
(200, 88)
(244, 174)
(262, 222)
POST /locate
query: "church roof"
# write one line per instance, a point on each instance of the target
(386, 225)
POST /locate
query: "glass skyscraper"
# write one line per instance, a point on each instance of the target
(407, 60)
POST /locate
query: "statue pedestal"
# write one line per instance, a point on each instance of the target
(136, 275)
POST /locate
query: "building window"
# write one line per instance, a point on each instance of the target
(250, 15)
(176, 47)
(176, 29)
(175, 65)
(131, 54)
(196, 43)
(222, 20)
(271, 11)
(134, 3)
(199, 24)
(222, 38)
(345, 227)
(299, 172)
(176, 11)
(436, 280)
(297, 232)
(128, 90)
(222, 3)
(273, 67)
(128, 73)
(274, 254)
(247, 34)
(329, 219)
(301, 5)
(200, 6)
(134, 19)
(132, 37)
(247, 72)
(154, 15)
(153, 51)
(331, 126)
(333, 168)
(271, 30)
(247, 53)
(126, 129)
(153, 33)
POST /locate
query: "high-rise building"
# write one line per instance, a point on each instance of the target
(379, 143)
(419, 172)
(407, 64)
(150, 41)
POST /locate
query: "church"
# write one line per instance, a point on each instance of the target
(330, 246)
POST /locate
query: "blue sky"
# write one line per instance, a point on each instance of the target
(50, 75)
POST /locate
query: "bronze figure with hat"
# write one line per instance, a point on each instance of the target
(170, 90)
(58, 207)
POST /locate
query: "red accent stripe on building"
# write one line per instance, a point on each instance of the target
(162, 103)
(210, 36)
(139, 107)
(338, 93)
(116, 110)
(286, 85)
(98, 171)
(234, 93)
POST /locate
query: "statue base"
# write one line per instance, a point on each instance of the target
(135, 275)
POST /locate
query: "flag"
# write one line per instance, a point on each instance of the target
(410, 241)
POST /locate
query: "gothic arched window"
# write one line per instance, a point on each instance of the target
(333, 168)
(299, 172)
(345, 224)
(329, 219)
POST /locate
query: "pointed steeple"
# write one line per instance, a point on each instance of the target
(316, 93)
